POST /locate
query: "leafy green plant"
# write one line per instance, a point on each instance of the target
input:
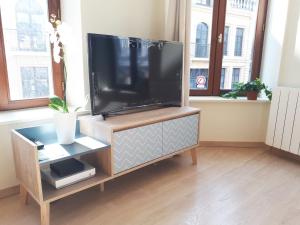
(58, 37)
(58, 104)
(241, 89)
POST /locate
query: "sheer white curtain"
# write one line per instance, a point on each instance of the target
(178, 29)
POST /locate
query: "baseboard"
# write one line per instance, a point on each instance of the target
(233, 144)
(9, 191)
(284, 154)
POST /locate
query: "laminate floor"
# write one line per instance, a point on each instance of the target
(229, 186)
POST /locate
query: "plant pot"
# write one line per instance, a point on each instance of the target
(252, 95)
(65, 125)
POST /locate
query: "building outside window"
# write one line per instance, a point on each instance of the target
(27, 49)
(203, 2)
(29, 24)
(225, 47)
(238, 51)
(222, 85)
(235, 76)
(201, 40)
(238, 44)
(35, 82)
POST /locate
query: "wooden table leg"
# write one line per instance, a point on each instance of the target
(23, 195)
(45, 213)
(102, 187)
(194, 155)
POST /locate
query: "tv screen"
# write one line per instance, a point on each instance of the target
(129, 73)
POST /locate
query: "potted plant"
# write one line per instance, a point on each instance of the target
(64, 117)
(250, 89)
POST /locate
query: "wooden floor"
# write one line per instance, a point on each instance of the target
(230, 186)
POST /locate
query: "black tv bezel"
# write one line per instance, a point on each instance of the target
(133, 109)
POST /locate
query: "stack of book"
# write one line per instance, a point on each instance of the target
(67, 172)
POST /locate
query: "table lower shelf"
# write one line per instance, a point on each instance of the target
(51, 194)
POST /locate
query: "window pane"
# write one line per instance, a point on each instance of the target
(35, 81)
(226, 33)
(223, 78)
(239, 34)
(27, 48)
(239, 37)
(198, 78)
(200, 43)
(203, 2)
(235, 76)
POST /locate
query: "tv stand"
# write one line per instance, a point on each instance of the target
(139, 138)
(132, 141)
(130, 110)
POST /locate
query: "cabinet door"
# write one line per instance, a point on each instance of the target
(136, 146)
(180, 133)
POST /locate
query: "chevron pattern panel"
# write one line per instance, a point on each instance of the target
(136, 146)
(180, 133)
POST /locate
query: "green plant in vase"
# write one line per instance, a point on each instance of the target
(57, 36)
(64, 118)
(250, 89)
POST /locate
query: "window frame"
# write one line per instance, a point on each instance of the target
(57, 72)
(216, 51)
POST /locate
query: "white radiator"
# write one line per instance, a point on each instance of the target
(284, 120)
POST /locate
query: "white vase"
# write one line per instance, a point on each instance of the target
(65, 125)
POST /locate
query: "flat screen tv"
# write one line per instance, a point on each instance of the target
(133, 73)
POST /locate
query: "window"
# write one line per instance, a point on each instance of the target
(215, 60)
(225, 47)
(223, 78)
(235, 76)
(35, 82)
(239, 41)
(203, 2)
(201, 40)
(27, 74)
(29, 25)
(199, 78)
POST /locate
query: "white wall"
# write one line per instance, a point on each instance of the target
(274, 41)
(290, 64)
(135, 18)
(7, 175)
(7, 169)
(281, 57)
(233, 121)
(71, 15)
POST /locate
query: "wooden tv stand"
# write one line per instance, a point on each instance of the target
(133, 141)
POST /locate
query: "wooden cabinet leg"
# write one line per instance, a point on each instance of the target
(194, 156)
(23, 195)
(45, 213)
(102, 187)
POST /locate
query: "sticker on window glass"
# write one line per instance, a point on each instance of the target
(201, 81)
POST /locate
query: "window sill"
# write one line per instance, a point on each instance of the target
(216, 99)
(29, 115)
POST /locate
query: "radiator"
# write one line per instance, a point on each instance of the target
(284, 120)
